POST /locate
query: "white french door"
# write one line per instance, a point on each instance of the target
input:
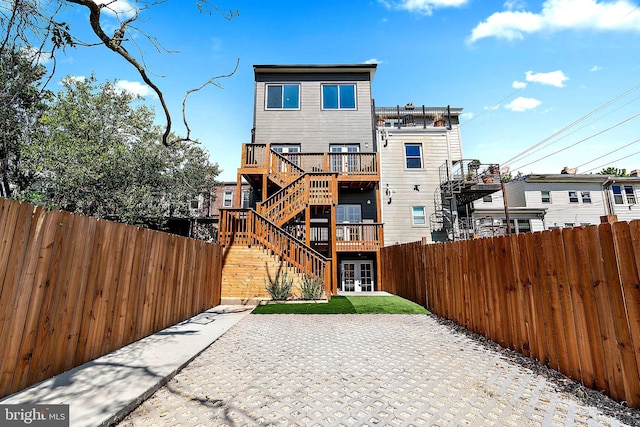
(357, 276)
(345, 162)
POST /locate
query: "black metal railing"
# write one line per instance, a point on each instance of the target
(413, 116)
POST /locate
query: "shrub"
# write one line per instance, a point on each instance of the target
(311, 288)
(279, 287)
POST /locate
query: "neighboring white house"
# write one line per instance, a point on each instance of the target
(539, 202)
(414, 143)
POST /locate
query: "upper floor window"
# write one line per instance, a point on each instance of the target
(586, 196)
(281, 96)
(418, 214)
(227, 199)
(339, 97)
(573, 197)
(622, 193)
(413, 155)
(546, 196)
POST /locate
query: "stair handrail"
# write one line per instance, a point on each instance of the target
(254, 234)
(291, 167)
(264, 208)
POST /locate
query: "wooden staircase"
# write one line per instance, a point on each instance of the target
(262, 229)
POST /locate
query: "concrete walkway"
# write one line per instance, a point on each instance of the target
(104, 390)
(354, 370)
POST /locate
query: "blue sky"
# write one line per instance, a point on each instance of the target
(526, 73)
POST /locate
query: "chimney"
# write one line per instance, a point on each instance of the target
(634, 173)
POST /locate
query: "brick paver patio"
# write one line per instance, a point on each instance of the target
(353, 370)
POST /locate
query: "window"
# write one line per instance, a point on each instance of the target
(569, 224)
(573, 197)
(413, 154)
(283, 97)
(524, 226)
(586, 196)
(245, 198)
(349, 213)
(195, 203)
(227, 199)
(419, 216)
(487, 198)
(339, 97)
(617, 194)
(631, 195)
(546, 196)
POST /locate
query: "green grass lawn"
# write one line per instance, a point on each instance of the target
(347, 305)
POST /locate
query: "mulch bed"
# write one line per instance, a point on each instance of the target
(561, 382)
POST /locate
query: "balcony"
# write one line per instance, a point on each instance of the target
(411, 116)
(258, 159)
(468, 180)
(359, 237)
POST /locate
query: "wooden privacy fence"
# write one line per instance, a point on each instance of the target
(569, 298)
(73, 288)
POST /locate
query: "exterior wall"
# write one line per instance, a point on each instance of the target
(218, 196)
(526, 193)
(311, 126)
(485, 213)
(438, 146)
(626, 211)
(560, 212)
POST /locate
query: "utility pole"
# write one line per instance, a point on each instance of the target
(506, 205)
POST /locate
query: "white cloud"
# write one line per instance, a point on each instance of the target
(595, 68)
(553, 78)
(559, 15)
(518, 85)
(522, 104)
(33, 54)
(424, 7)
(75, 78)
(467, 116)
(120, 8)
(135, 88)
(495, 107)
(514, 4)
(373, 61)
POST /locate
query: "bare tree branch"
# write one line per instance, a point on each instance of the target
(212, 81)
(115, 44)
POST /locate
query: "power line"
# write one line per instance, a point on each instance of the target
(574, 123)
(493, 106)
(581, 141)
(578, 129)
(613, 161)
(609, 153)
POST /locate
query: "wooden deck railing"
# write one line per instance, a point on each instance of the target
(359, 237)
(247, 227)
(313, 189)
(283, 171)
(351, 165)
(286, 203)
